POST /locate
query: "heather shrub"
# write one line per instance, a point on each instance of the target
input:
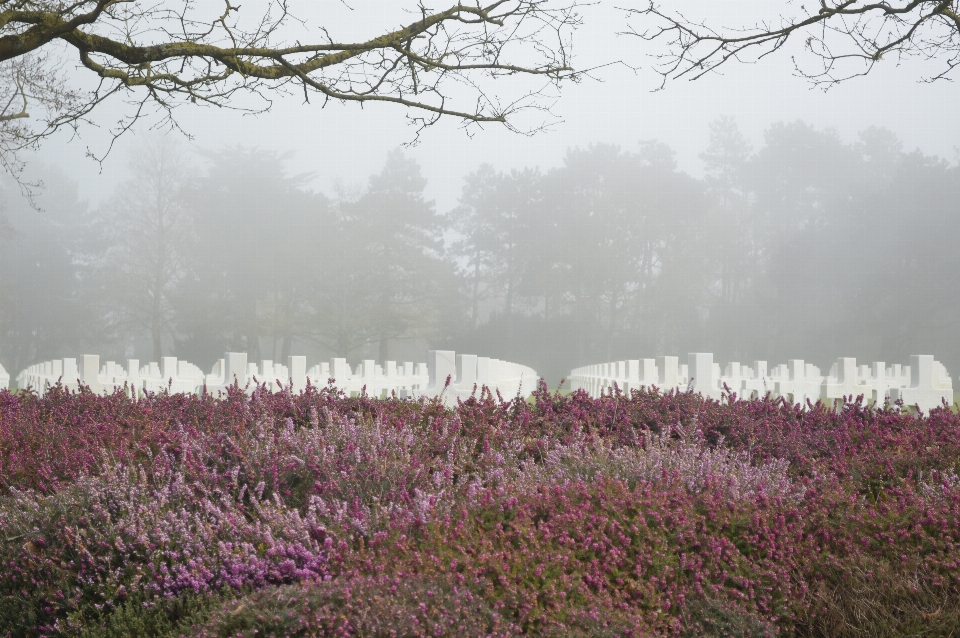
(871, 448)
(365, 473)
(157, 618)
(402, 605)
(48, 442)
(878, 598)
(89, 547)
(881, 567)
(686, 461)
(604, 550)
(648, 514)
(713, 619)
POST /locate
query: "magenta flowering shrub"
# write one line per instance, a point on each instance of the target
(663, 461)
(647, 514)
(103, 538)
(624, 561)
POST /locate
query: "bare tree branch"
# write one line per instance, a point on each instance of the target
(846, 38)
(164, 53)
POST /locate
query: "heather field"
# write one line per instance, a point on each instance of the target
(321, 515)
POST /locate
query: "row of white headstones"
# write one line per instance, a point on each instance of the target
(467, 374)
(924, 383)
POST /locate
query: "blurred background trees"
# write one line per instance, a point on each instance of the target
(41, 300)
(381, 279)
(808, 246)
(141, 246)
(255, 228)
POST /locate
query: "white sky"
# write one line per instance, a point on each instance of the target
(345, 143)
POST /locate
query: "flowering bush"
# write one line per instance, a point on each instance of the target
(376, 606)
(89, 546)
(316, 514)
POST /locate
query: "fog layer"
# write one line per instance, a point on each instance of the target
(807, 246)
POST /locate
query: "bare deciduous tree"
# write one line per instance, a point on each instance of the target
(149, 232)
(6, 301)
(162, 54)
(845, 38)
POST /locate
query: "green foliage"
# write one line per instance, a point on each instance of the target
(385, 606)
(166, 618)
(709, 618)
(879, 597)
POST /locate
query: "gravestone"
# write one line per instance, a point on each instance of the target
(929, 386)
(842, 383)
(71, 375)
(297, 368)
(466, 369)
(669, 373)
(799, 382)
(732, 378)
(704, 376)
(442, 364)
(235, 369)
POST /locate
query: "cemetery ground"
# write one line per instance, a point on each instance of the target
(315, 513)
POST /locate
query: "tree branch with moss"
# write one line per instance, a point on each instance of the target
(161, 55)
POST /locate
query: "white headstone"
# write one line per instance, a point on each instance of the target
(168, 368)
(235, 369)
(297, 368)
(842, 382)
(799, 382)
(90, 371)
(466, 370)
(339, 372)
(440, 365)
(927, 389)
(702, 374)
(667, 367)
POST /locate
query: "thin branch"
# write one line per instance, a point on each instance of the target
(845, 38)
(159, 58)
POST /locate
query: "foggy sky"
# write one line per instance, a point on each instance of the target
(345, 144)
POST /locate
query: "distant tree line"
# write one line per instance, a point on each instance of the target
(808, 247)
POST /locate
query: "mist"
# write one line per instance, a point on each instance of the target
(744, 214)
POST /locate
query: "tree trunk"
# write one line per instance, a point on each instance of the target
(510, 300)
(384, 347)
(157, 335)
(476, 289)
